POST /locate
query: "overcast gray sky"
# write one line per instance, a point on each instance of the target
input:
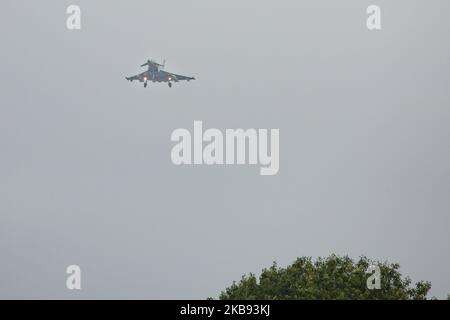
(85, 170)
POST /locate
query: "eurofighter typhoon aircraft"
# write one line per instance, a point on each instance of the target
(156, 73)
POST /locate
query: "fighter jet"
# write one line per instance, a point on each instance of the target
(156, 73)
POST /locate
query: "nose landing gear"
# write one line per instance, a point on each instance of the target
(170, 84)
(145, 84)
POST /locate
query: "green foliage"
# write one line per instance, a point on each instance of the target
(334, 278)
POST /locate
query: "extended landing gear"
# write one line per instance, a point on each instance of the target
(170, 84)
(145, 84)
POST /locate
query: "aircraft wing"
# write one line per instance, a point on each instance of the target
(175, 77)
(141, 77)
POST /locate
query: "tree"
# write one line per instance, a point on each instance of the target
(334, 277)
